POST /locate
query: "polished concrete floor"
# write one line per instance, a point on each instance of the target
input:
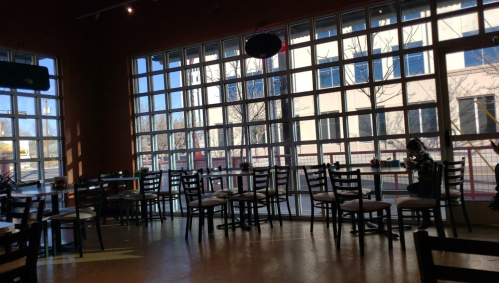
(289, 253)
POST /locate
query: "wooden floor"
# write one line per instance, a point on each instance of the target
(289, 253)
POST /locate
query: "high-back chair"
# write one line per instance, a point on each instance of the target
(261, 177)
(173, 191)
(320, 196)
(351, 202)
(192, 185)
(218, 181)
(150, 186)
(453, 195)
(88, 199)
(280, 191)
(420, 204)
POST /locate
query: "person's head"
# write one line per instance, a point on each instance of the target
(415, 147)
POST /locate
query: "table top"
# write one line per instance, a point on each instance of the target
(377, 170)
(43, 190)
(6, 227)
(120, 179)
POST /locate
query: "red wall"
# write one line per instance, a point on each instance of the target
(95, 55)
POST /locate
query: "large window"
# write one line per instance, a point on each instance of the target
(30, 135)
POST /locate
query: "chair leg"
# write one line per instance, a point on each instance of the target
(362, 227)
(180, 204)
(312, 217)
(327, 214)
(189, 219)
(279, 211)
(99, 234)
(226, 228)
(257, 217)
(334, 210)
(79, 239)
(268, 213)
(159, 211)
(465, 213)
(437, 215)
(104, 208)
(338, 239)
(389, 226)
(201, 221)
(289, 208)
(451, 217)
(401, 228)
(54, 241)
(45, 238)
(171, 206)
(164, 206)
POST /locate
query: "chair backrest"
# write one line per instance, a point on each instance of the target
(18, 211)
(282, 177)
(454, 174)
(431, 272)
(316, 178)
(261, 177)
(438, 169)
(88, 180)
(20, 262)
(347, 185)
(215, 181)
(120, 174)
(150, 182)
(199, 171)
(88, 195)
(174, 179)
(192, 187)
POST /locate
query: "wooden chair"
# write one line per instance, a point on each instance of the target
(218, 182)
(261, 177)
(173, 191)
(20, 263)
(431, 272)
(87, 209)
(280, 192)
(119, 190)
(351, 202)
(149, 195)
(420, 204)
(454, 192)
(320, 196)
(196, 202)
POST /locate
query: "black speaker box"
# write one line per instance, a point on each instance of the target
(15, 75)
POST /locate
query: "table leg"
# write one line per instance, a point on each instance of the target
(242, 205)
(210, 219)
(56, 225)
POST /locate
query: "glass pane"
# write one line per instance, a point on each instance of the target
(278, 109)
(142, 104)
(360, 126)
(419, 63)
(6, 153)
(234, 92)
(29, 171)
(26, 105)
(299, 33)
(215, 116)
(176, 100)
(144, 143)
(355, 47)
(307, 155)
(423, 120)
(353, 21)
(331, 128)
(326, 52)
(445, 6)
(50, 148)
(258, 134)
(328, 77)
(47, 62)
(192, 55)
(383, 15)
(254, 89)
(458, 26)
(414, 9)
(192, 77)
(28, 149)
(278, 62)
(160, 122)
(195, 97)
(305, 130)
(27, 127)
(301, 82)
(260, 156)
(143, 124)
(304, 106)
(278, 85)
(6, 104)
(232, 70)
(141, 84)
(157, 63)
(236, 137)
(388, 95)
(158, 82)
(179, 141)
(300, 57)
(49, 128)
(325, 27)
(140, 65)
(161, 142)
(175, 79)
(159, 102)
(197, 142)
(177, 120)
(211, 52)
(212, 73)
(174, 59)
(231, 48)
(48, 106)
(6, 127)
(253, 66)
(417, 35)
(330, 103)
(281, 132)
(216, 137)
(51, 169)
(214, 94)
(421, 92)
(218, 159)
(256, 111)
(390, 123)
(197, 117)
(356, 73)
(358, 99)
(387, 68)
(385, 41)
(491, 21)
(334, 152)
(145, 161)
(52, 90)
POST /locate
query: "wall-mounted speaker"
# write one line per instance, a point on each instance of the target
(16, 75)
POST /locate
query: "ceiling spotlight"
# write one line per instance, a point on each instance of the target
(129, 9)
